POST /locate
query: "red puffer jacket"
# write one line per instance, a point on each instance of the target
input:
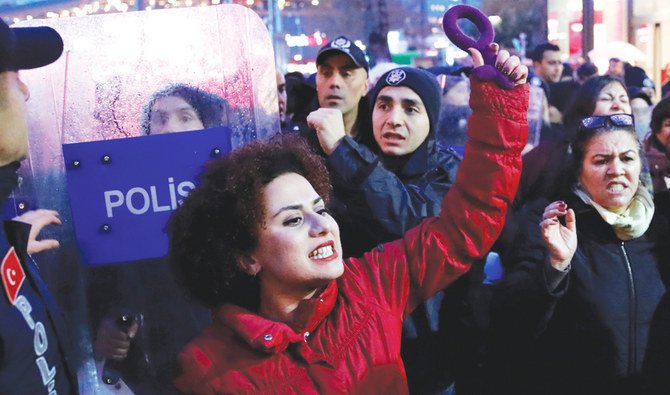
(347, 339)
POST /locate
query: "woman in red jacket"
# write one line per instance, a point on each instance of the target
(255, 242)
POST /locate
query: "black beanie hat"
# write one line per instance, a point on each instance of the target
(636, 76)
(421, 82)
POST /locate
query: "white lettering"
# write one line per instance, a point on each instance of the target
(41, 342)
(173, 195)
(140, 200)
(154, 202)
(25, 308)
(47, 374)
(109, 204)
(129, 201)
(182, 188)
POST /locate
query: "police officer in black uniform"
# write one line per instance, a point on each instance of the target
(34, 343)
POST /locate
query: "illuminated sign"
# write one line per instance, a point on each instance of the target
(317, 39)
(8, 5)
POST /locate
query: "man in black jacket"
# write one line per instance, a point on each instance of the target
(33, 340)
(395, 174)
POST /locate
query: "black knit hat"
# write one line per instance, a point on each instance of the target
(421, 82)
(636, 76)
(24, 48)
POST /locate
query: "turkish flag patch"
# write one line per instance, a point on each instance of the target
(12, 275)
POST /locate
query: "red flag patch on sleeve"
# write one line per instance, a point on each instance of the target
(12, 274)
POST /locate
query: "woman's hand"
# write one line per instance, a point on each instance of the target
(38, 219)
(507, 64)
(560, 240)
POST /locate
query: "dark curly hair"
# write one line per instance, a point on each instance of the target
(211, 108)
(220, 219)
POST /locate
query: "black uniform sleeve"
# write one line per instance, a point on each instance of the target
(396, 204)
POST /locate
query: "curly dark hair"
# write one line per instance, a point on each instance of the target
(211, 108)
(220, 219)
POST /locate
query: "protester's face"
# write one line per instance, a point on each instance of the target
(13, 118)
(551, 67)
(613, 99)
(282, 98)
(663, 135)
(298, 241)
(611, 169)
(458, 95)
(399, 120)
(173, 114)
(340, 83)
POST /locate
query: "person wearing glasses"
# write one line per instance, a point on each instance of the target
(602, 95)
(573, 315)
(543, 167)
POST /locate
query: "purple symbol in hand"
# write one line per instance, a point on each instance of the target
(487, 72)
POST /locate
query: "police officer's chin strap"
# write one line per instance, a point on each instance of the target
(8, 181)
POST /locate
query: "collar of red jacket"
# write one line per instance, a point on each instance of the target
(272, 336)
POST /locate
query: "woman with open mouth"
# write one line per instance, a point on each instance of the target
(255, 242)
(575, 314)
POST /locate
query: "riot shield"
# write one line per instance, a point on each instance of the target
(97, 91)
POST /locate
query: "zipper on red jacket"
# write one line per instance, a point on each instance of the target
(632, 324)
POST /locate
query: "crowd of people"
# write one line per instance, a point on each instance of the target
(352, 251)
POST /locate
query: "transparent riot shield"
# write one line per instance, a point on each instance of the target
(537, 114)
(97, 90)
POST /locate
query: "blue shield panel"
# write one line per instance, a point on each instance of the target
(123, 191)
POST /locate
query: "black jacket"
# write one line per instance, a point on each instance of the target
(590, 333)
(374, 203)
(543, 169)
(34, 343)
(376, 200)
